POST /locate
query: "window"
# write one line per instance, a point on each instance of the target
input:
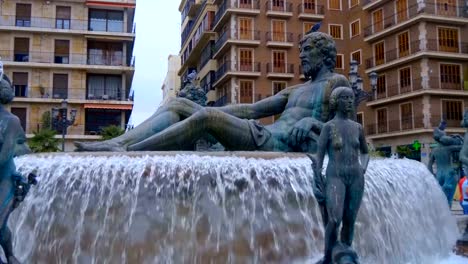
(278, 28)
(21, 49)
(360, 118)
(355, 28)
(96, 119)
(381, 86)
(405, 80)
(307, 26)
(106, 87)
(335, 31)
(20, 84)
(403, 44)
(278, 5)
(60, 86)
(23, 15)
(452, 111)
(447, 7)
(339, 61)
(353, 3)
(379, 53)
(334, 4)
(246, 91)
(246, 60)
(245, 4)
(62, 51)
(62, 17)
(450, 76)
(279, 61)
(105, 20)
(401, 10)
(245, 28)
(21, 113)
(356, 56)
(406, 112)
(377, 21)
(278, 87)
(448, 39)
(382, 121)
(105, 53)
(309, 6)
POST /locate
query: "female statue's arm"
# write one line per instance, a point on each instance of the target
(364, 150)
(319, 181)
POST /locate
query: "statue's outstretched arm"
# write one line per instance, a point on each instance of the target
(269, 106)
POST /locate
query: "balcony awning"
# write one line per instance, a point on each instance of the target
(108, 106)
(111, 4)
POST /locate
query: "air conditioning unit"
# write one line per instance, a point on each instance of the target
(105, 97)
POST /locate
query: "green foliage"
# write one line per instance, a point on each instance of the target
(376, 154)
(403, 151)
(111, 131)
(44, 141)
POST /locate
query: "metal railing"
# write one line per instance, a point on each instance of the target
(238, 67)
(72, 58)
(253, 5)
(252, 35)
(67, 24)
(279, 36)
(415, 47)
(75, 93)
(283, 68)
(306, 8)
(395, 125)
(286, 7)
(412, 11)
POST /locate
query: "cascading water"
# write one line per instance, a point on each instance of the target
(190, 208)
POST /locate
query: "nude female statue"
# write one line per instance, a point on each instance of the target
(342, 190)
(303, 108)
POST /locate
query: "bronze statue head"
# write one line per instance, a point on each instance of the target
(6, 91)
(317, 50)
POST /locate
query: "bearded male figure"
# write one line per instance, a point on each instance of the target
(303, 109)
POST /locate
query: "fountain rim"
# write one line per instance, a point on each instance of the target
(237, 154)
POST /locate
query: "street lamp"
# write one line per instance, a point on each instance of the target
(357, 84)
(60, 119)
(373, 82)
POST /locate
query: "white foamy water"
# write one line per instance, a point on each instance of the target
(194, 209)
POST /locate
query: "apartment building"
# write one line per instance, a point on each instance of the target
(246, 50)
(74, 50)
(172, 82)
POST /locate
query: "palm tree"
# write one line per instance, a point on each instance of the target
(44, 141)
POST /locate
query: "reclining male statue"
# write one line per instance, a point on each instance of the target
(303, 108)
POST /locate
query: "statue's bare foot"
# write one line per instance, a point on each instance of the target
(100, 146)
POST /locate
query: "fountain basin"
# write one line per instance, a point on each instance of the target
(221, 207)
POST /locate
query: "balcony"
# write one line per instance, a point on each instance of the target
(202, 37)
(416, 49)
(432, 85)
(238, 7)
(245, 38)
(312, 12)
(72, 60)
(284, 10)
(279, 39)
(275, 70)
(187, 9)
(72, 26)
(433, 12)
(234, 68)
(396, 127)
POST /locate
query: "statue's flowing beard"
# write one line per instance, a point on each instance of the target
(311, 69)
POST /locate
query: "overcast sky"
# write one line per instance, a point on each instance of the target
(157, 36)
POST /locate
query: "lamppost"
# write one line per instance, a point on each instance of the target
(373, 82)
(60, 119)
(357, 84)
